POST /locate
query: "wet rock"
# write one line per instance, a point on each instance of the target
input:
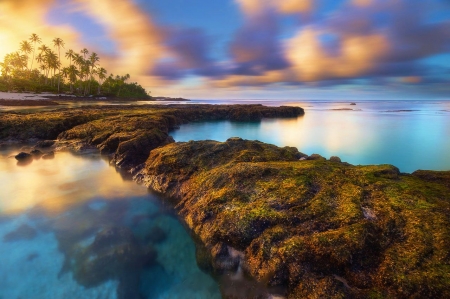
(23, 232)
(352, 104)
(315, 227)
(335, 159)
(23, 157)
(36, 153)
(223, 259)
(49, 155)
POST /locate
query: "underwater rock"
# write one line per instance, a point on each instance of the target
(317, 228)
(23, 232)
(156, 235)
(114, 254)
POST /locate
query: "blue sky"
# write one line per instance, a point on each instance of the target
(259, 48)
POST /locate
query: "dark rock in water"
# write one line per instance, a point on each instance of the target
(49, 155)
(335, 159)
(32, 256)
(315, 157)
(156, 235)
(352, 104)
(23, 232)
(22, 156)
(114, 254)
(36, 153)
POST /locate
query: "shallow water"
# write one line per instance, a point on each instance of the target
(408, 134)
(52, 210)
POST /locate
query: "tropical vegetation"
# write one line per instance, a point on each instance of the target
(36, 67)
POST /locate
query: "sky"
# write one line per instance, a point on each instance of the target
(252, 49)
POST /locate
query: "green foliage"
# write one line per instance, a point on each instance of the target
(82, 77)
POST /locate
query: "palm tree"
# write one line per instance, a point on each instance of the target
(84, 52)
(93, 59)
(122, 80)
(34, 38)
(51, 62)
(101, 72)
(44, 49)
(26, 48)
(71, 73)
(58, 43)
(70, 54)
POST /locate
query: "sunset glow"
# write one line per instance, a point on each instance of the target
(252, 48)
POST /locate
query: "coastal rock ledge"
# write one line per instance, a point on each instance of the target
(312, 228)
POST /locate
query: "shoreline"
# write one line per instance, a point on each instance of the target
(47, 99)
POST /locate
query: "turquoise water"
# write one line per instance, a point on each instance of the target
(408, 134)
(52, 211)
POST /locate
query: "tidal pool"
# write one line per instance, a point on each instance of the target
(52, 215)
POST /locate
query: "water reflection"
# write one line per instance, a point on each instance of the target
(72, 227)
(410, 140)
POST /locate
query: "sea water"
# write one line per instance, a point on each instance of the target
(49, 206)
(408, 134)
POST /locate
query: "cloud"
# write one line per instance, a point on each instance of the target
(256, 48)
(255, 7)
(139, 40)
(187, 54)
(361, 39)
(31, 15)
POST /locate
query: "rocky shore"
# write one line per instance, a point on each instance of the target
(301, 226)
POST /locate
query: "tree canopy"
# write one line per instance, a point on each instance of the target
(36, 67)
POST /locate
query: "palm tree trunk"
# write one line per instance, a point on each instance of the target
(59, 66)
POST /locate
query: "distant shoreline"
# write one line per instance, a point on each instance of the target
(46, 99)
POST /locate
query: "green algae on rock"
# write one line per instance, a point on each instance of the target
(128, 133)
(320, 228)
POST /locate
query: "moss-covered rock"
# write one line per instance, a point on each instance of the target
(322, 229)
(127, 133)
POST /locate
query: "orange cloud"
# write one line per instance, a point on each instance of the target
(252, 7)
(18, 19)
(138, 39)
(411, 79)
(356, 56)
(362, 3)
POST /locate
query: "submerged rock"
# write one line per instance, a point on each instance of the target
(23, 232)
(114, 254)
(315, 227)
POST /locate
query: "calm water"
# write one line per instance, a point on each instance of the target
(51, 210)
(408, 134)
